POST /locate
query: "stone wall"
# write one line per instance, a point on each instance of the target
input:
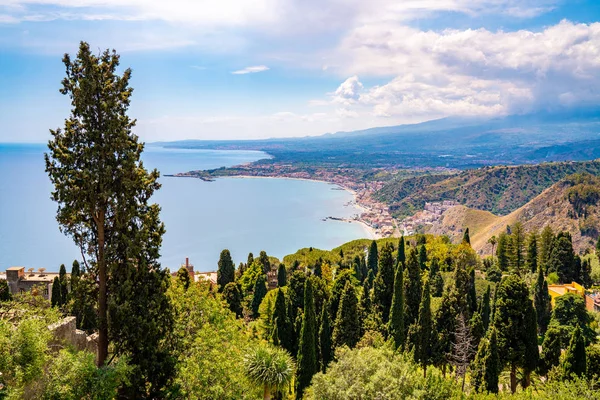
(65, 332)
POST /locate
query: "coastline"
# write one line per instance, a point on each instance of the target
(367, 228)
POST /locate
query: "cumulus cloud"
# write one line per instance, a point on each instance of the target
(251, 70)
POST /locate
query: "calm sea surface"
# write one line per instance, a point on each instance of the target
(201, 218)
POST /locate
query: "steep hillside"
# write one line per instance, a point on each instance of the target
(569, 205)
(499, 190)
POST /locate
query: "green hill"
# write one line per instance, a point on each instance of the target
(500, 190)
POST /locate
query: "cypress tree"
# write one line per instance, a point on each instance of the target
(56, 299)
(346, 330)
(365, 303)
(575, 361)
(373, 257)
(545, 247)
(541, 301)
(307, 348)
(226, 270)
(281, 276)
(412, 288)
(472, 294)
(75, 271)
(183, 276)
(383, 288)
(532, 252)
(477, 328)
(263, 258)
(260, 291)
(551, 349)
(358, 269)
(435, 278)
(502, 252)
(232, 293)
(325, 339)
(517, 248)
(466, 237)
(562, 258)
(486, 367)
(424, 345)
(397, 309)
(275, 333)
(283, 323)
(338, 290)
(364, 270)
(401, 255)
(514, 319)
(318, 270)
(64, 285)
(485, 308)
(422, 257)
(5, 294)
(586, 272)
(249, 260)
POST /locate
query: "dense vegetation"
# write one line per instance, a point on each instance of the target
(499, 190)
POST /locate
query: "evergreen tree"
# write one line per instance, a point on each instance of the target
(358, 272)
(338, 290)
(107, 213)
(477, 328)
(435, 278)
(225, 270)
(281, 276)
(274, 333)
(282, 321)
(383, 288)
(531, 260)
(472, 294)
(424, 342)
(486, 367)
(75, 271)
(260, 291)
(485, 309)
(5, 294)
(397, 310)
(249, 260)
(541, 301)
(64, 285)
(183, 276)
(502, 252)
(346, 330)
(412, 288)
(56, 299)
(586, 274)
(365, 304)
(232, 293)
(551, 348)
(326, 351)
(263, 259)
(422, 257)
(598, 248)
(466, 237)
(401, 255)
(513, 319)
(575, 361)
(373, 257)
(307, 348)
(364, 270)
(318, 270)
(546, 246)
(562, 258)
(517, 248)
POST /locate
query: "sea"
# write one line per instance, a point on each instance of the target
(201, 218)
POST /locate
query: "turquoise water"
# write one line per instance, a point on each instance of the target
(201, 218)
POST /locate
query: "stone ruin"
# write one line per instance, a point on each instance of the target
(65, 332)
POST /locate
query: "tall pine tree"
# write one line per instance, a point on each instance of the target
(307, 348)
(502, 255)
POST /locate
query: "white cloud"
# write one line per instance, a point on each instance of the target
(251, 70)
(349, 91)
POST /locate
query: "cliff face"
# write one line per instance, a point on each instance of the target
(570, 205)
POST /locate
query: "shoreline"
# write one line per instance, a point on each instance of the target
(366, 227)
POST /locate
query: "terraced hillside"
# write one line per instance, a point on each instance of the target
(500, 190)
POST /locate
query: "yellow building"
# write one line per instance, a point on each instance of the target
(558, 290)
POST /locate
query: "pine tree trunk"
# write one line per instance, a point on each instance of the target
(102, 311)
(267, 393)
(513, 378)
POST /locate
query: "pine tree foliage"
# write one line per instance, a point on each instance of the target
(502, 252)
(56, 299)
(346, 330)
(545, 247)
(562, 258)
(64, 284)
(551, 350)
(517, 248)
(575, 361)
(435, 278)
(485, 370)
(531, 259)
(383, 287)
(485, 309)
(225, 270)
(325, 345)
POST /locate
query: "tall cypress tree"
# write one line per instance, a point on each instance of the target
(517, 248)
(531, 260)
(373, 257)
(575, 360)
(545, 247)
(325, 347)
(412, 288)
(226, 270)
(75, 272)
(424, 342)
(472, 294)
(562, 258)
(232, 293)
(401, 255)
(422, 257)
(485, 309)
(383, 287)
(551, 349)
(397, 309)
(466, 237)
(307, 348)
(318, 269)
(364, 307)
(183, 276)
(64, 285)
(346, 330)
(541, 301)
(486, 367)
(263, 258)
(281, 276)
(283, 323)
(5, 294)
(56, 299)
(435, 278)
(260, 291)
(249, 260)
(502, 252)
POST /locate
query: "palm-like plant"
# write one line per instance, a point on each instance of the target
(270, 367)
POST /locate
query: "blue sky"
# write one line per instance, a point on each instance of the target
(234, 69)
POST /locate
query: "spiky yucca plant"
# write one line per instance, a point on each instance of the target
(269, 366)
